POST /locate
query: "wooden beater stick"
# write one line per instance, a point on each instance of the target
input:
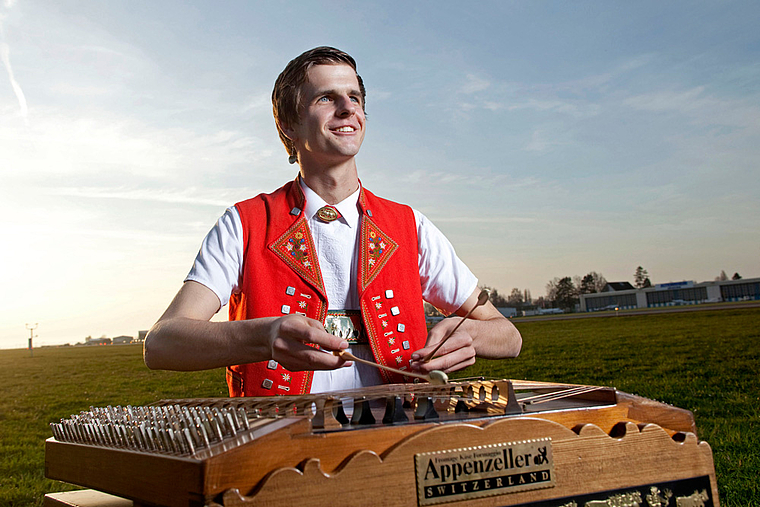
(482, 298)
(434, 377)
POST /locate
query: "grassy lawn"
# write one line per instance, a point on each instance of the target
(703, 361)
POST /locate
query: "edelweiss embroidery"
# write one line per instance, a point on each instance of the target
(376, 249)
(296, 248)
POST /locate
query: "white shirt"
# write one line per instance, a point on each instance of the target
(445, 280)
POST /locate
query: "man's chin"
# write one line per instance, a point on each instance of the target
(347, 151)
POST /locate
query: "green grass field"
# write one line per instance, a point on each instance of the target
(703, 361)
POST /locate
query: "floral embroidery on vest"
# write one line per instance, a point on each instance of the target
(376, 248)
(296, 248)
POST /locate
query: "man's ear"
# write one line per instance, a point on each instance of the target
(289, 132)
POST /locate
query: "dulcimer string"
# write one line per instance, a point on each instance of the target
(464, 389)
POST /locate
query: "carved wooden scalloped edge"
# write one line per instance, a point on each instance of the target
(312, 482)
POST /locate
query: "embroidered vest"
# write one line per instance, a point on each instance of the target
(284, 277)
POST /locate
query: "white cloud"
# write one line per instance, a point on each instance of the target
(117, 146)
(497, 219)
(190, 195)
(259, 103)
(435, 178)
(474, 84)
(667, 100)
(540, 141)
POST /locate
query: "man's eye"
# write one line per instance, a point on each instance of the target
(324, 99)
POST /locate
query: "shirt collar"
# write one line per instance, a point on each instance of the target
(348, 207)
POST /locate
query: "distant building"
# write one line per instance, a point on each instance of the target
(617, 286)
(670, 294)
(97, 341)
(141, 336)
(508, 311)
(121, 340)
(550, 311)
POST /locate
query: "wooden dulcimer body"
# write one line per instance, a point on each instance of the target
(478, 443)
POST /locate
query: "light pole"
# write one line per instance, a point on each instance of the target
(31, 337)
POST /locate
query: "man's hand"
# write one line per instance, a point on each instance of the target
(458, 352)
(184, 339)
(292, 338)
(485, 334)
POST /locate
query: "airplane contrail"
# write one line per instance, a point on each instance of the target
(5, 57)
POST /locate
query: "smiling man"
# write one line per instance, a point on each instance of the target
(322, 254)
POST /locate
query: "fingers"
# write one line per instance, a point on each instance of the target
(309, 331)
(299, 343)
(458, 352)
(296, 356)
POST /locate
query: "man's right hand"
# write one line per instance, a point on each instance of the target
(293, 339)
(184, 339)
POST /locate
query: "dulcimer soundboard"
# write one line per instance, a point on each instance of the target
(466, 443)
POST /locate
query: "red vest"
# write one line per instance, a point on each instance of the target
(284, 277)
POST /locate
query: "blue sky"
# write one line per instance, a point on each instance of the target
(546, 139)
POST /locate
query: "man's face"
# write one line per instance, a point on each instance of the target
(332, 122)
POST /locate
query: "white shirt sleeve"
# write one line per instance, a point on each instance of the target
(219, 262)
(446, 281)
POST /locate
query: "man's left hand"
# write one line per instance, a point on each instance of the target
(458, 352)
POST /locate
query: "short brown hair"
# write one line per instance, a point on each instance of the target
(286, 95)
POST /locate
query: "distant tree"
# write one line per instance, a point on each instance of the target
(526, 297)
(647, 283)
(566, 295)
(577, 280)
(591, 283)
(722, 277)
(515, 298)
(495, 298)
(640, 277)
(599, 281)
(736, 276)
(551, 289)
(587, 285)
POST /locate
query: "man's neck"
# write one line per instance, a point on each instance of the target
(333, 183)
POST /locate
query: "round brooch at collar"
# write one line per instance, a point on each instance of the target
(327, 213)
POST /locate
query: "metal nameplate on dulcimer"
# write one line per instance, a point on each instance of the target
(365, 447)
(487, 470)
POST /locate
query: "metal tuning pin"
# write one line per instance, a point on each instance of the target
(171, 429)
